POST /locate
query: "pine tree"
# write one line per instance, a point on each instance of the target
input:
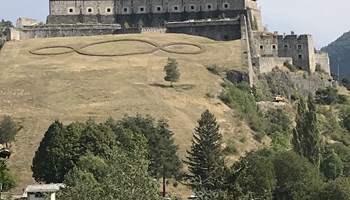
(171, 71)
(306, 137)
(205, 158)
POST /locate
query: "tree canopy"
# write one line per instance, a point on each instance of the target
(205, 158)
(172, 73)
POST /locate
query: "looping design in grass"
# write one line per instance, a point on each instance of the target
(37, 51)
(156, 47)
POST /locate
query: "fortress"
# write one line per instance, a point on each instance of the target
(215, 19)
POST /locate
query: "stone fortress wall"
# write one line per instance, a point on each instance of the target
(150, 12)
(215, 19)
(300, 48)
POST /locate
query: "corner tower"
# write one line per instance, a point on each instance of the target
(254, 15)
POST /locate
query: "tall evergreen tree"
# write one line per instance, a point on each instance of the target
(205, 159)
(306, 137)
(58, 152)
(47, 160)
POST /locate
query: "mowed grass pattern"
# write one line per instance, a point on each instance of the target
(37, 90)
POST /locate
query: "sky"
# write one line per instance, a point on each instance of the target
(325, 20)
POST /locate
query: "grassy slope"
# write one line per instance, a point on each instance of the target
(39, 89)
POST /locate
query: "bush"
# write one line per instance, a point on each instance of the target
(329, 96)
(214, 69)
(230, 148)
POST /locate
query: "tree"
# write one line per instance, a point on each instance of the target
(171, 71)
(338, 189)
(332, 166)
(47, 160)
(205, 158)
(6, 178)
(8, 130)
(296, 177)
(119, 176)
(57, 153)
(257, 178)
(164, 162)
(306, 137)
(162, 152)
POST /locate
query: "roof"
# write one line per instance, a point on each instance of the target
(43, 188)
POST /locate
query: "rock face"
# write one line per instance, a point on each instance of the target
(286, 84)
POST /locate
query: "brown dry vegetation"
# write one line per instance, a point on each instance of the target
(37, 90)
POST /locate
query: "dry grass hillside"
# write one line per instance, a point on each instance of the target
(36, 90)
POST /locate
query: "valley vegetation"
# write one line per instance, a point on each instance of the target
(128, 158)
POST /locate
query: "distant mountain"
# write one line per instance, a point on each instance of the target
(339, 53)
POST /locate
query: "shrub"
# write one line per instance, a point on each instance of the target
(328, 96)
(214, 69)
(230, 148)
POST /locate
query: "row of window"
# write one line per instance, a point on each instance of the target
(285, 46)
(89, 10)
(142, 9)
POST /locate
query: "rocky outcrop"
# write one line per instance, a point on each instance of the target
(286, 84)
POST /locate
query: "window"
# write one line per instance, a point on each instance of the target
(286, 46)
(209, 6)
(158, 8)
(89, 10)
(108, 10)
(176, 8)
(70, 10)
(38, 195)
(125, 10)
(141, 9)
(300, 56)
(261, 47)
(226, 6)
(192, 7)
(274, 47)
(299, 46)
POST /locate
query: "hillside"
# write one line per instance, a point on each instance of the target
(37, 89)
(339, 53)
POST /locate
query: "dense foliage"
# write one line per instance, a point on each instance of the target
(306, 136)
(148, 150)
(328, 96)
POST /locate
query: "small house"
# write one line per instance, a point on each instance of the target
(42, 191)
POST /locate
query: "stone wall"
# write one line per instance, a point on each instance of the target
(216, 30)
(62, 31)
(322, 60)
(267, 64)
(85, 19)
(300, 48)
(21, 22)
(85, 7)
(266, 44)
(111, 7)
(150, 12)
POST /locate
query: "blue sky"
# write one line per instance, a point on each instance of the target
(324, 19)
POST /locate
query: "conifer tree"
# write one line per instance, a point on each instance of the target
(205, 158)
(306, 137)
(171, 71)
